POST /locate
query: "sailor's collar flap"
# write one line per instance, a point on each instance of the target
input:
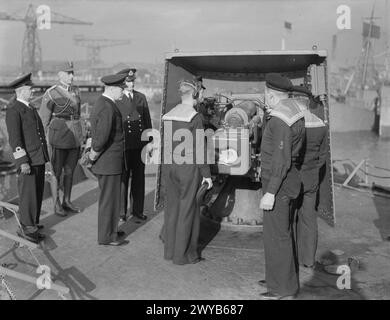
(287, 110)
(182, 112)
(312, 121)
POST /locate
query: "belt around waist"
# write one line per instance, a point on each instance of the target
(66, 117)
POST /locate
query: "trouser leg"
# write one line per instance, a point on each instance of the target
(171, 212)
(28, 200)
(57, 162)
(70, 162)
(280, 270)
(188, 223)
(307, 230)
(40, 186)
(125, 184)
(137, 183)
(108, 207)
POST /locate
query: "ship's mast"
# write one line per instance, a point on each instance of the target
(368, 46)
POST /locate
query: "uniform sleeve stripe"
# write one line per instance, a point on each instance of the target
(19, 153)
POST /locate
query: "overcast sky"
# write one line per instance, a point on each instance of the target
(155, 27)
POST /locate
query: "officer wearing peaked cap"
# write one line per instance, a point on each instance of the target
(27, 140)
(60, 113)
(136, 119)
(283, 135)
(107, 156)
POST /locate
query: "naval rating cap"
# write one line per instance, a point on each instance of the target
(278, 82)
(114, 80)
(302, 89)
(24, 80)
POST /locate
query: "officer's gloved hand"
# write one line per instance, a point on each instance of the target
(25, 168)
(267, 202)
(209, 182)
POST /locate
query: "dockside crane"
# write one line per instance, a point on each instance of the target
(94, 46)
(31, 48)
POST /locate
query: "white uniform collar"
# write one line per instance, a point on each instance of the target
(128, 93)
(24, 102)
(104, 95)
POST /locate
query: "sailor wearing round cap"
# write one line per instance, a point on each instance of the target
(60, 113)
(314, 157)
(27, 140)
(107, 155)
(184, 175)
(136, 118)
(282, 139)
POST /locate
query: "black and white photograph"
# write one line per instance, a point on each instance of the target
(195, 155)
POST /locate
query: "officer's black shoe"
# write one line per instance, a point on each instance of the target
(59, 211)
(121, 234)
(140, 216)
(68, 206)
(41, 236)
(32, 237)
(270, 296)
(116, 243)
(200, 259)
(275, 296)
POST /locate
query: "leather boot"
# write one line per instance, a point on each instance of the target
(58, 210)
(67, 204)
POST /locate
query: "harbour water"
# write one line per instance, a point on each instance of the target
(358, 145)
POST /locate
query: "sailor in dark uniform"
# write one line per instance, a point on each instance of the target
(136, 118)
(27, 140)
(60, 113)
(107, 155)
(281, 143)
(180, 232)
(315, 150)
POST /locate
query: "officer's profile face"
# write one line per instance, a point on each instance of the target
(66, 77)
(117, 92)
(130, 85)
(24, 93)
(268, 99)
(201, 95)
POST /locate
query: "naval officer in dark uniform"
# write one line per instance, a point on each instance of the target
(107, 155)
(314, 154)
(27, 140)
(60, 113)
(283, 135)
(136, 118)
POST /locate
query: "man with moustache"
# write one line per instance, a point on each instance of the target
(283, 136)
(27, 139)
(60, 113)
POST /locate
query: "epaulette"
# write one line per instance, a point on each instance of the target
(287, 110)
